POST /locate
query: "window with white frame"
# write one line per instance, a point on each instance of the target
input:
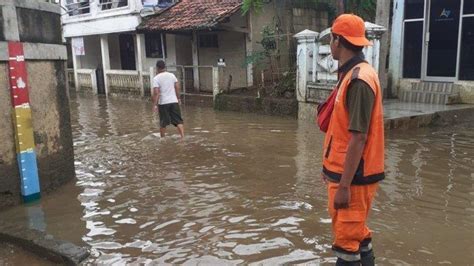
(466, 63)
(413, 38)
(110, 4)
(77, 7)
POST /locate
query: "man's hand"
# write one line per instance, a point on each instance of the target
(324, 178)
(179, 101)
(155, 109)
(342, 197)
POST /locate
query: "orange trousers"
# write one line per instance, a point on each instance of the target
(349, 226)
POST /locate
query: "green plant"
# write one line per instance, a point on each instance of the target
(285, 84)
(269, 44)
(255, 5)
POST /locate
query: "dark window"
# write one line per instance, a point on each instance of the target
(414, 9)
(443, 42)
(466, 68)
(412, 46)
(468, 7)
(153, 45)
(208, 41)
(109, 4)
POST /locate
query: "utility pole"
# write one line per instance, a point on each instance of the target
(382, 18)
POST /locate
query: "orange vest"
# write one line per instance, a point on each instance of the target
(371, 165)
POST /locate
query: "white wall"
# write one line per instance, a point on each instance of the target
(92, 57)
(114, 52)
(396, 52)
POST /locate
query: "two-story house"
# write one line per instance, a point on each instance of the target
(206, 43)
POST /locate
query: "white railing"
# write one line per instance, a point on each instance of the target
(317, 70)
(124, 82)
(78, 7)
(87, 80)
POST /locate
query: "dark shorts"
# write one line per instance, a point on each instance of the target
(170, 114)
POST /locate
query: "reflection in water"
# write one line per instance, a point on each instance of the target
(246, 189)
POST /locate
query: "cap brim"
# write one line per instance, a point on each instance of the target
(358, 41)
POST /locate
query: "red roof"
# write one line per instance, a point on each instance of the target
(189, 15)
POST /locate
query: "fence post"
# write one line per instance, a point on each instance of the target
(306, 40)
(95, 89)
(152, 75)
(215, 82)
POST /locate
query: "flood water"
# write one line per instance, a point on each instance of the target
(244, 189)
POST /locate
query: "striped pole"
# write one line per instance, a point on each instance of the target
(26, 157)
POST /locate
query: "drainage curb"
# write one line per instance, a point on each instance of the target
(438, 118)
(44, 245)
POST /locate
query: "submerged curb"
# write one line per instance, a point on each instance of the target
(44, 245)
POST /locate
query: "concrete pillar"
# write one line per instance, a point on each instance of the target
(104, 48)
(75, 65)
(195, 45)
(215, 82)
(394, 69)
(306, 40)
(249, 50)
(95, 89)
(140, 52)
(10, 23)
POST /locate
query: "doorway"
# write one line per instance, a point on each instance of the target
(127, 52)
(442, 40)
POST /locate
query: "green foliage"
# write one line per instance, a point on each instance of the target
(286, 84)
(363, 8)
(255, 5)
(269, 44)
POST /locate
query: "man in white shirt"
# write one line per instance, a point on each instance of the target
(166, 99)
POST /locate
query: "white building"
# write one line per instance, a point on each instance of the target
(206, 43)
(432, 50)
(102, 35)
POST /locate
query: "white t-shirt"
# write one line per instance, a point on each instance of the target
(165, 81)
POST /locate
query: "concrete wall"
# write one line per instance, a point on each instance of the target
(92, 57)
(46, 65)
(466, 91)
(184, 50)
(289, 21)
(114, 51)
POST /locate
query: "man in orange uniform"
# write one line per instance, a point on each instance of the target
(353, 159)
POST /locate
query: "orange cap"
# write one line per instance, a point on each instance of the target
(352, 28)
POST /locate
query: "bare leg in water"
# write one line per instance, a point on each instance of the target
(180, 128)
(162, 132)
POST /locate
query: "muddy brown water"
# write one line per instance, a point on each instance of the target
(244, 189)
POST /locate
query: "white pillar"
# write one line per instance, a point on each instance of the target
(140, 52)
(152, 74)
(249, 49)
(306, 40)
(215, 82)
(104, 47)
(75, 65)
(374, 32)
(195, 61)
(95, 89)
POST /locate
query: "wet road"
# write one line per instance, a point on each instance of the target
(243, 188)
